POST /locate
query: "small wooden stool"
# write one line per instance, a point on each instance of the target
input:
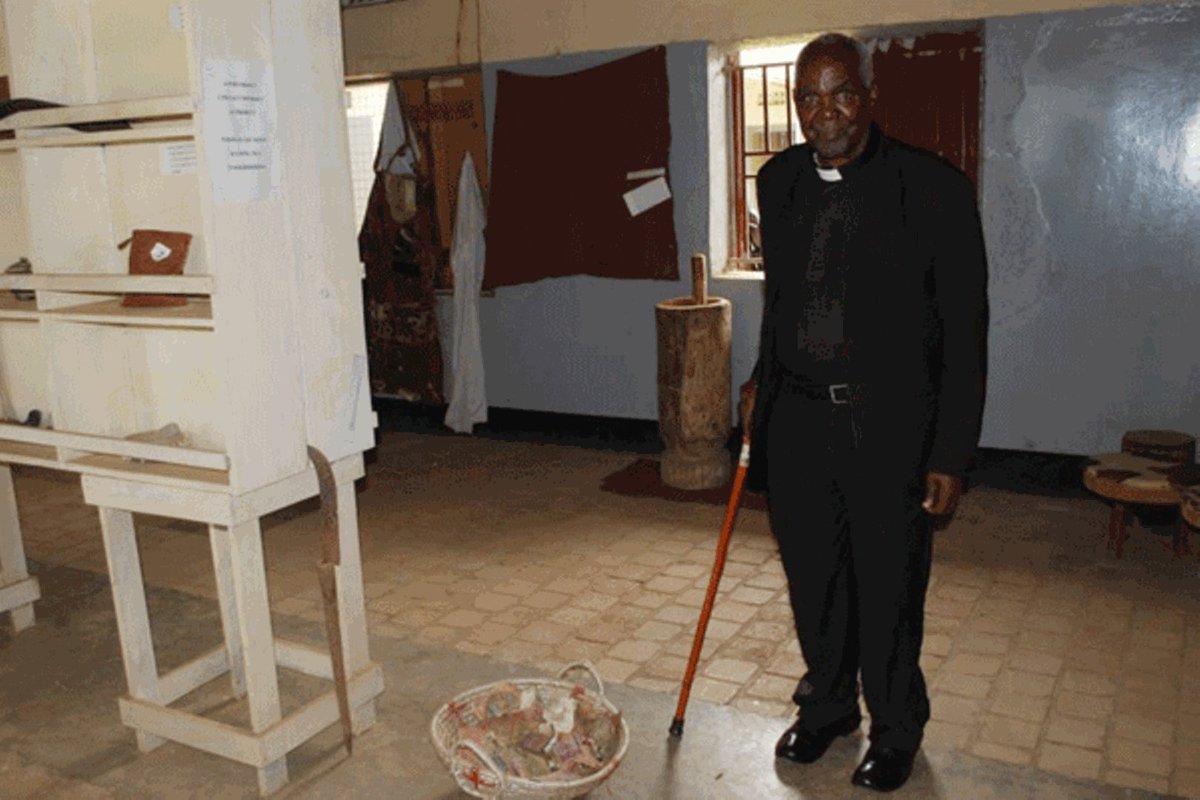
(1171, 446)
(1128, 480)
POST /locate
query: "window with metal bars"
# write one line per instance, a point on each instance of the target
(763, 124)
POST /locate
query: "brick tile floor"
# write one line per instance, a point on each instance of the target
(1040, 648)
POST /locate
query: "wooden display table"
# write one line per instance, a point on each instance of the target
(1126, 480)
(250, 655)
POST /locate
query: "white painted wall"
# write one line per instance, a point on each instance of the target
(420, 34)
(3, 43)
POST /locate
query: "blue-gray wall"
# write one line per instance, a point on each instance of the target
(1091, 206)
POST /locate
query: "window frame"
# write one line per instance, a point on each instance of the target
(740, 261)
(349, 85)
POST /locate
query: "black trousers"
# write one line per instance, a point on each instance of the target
(856, 547)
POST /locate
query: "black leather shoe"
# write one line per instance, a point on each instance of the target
(804, 746)
(884, 769)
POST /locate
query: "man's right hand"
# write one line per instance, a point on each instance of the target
(746, 405)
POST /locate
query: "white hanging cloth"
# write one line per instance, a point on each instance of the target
(397, 146)
(468, 400)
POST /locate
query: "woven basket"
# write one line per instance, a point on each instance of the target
(493, 782)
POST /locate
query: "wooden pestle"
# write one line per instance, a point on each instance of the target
(699, 279)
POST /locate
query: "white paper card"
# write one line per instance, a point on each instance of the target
(178, 158)
(643, 174)
(647, 196)
(159, 251)
(239, 130)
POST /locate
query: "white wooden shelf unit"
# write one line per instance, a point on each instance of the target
(266, 357)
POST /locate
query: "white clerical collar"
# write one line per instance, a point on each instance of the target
(830, 174)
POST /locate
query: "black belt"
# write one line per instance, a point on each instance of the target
(836, 393)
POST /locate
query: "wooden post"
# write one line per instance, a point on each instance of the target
(699, 279)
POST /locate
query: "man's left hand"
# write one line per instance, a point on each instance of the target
(941, 493)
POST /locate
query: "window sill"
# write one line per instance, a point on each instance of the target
(739, 275)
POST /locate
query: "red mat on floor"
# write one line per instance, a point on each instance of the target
(641, 479)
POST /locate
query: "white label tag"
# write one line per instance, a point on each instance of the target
(647, 196)
(159, 251)
(178, 158)
(643, 174)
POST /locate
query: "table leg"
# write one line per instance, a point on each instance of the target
(249, 579)
(223, 569)
(1118, 528)
(1181, 545)
(133, 621)
(351, 603)
(13, 567)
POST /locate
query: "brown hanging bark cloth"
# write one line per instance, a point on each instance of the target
(563, 151)
(400, 300)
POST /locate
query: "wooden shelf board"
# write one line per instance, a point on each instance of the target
(79, 139)
(108, 283)
(146, 108)
(209, 460)
(196, 314)
(13, 309)
(38, 455)
(149, 471)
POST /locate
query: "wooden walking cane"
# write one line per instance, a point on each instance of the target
(735, 497)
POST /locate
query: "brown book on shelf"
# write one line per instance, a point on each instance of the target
(153, 252)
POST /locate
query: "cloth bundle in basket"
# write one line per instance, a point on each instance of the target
(536, 732)
(530, 738)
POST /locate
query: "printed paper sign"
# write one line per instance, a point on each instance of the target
(178, 158)
(239, 130)
(647, 196)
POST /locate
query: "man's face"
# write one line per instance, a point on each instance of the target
(834, 108)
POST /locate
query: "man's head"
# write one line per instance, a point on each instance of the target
(835, 97)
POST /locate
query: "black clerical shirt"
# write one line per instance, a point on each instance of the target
(833, 217)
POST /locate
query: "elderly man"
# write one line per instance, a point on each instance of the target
(869, 389)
